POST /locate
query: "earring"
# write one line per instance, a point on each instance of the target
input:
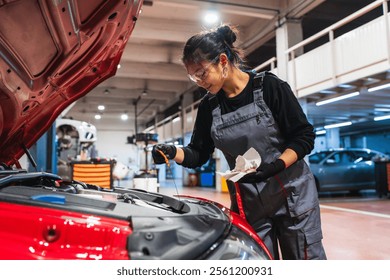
(224, 72)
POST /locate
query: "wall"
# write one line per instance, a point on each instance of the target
(112, 144)
(374, 141)
(377, 141)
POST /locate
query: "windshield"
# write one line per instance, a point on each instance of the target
(318, 157)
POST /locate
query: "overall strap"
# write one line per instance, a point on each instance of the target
(213, 101)
(258, 85)
(258, 80)
(257, 89)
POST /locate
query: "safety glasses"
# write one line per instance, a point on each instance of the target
(202, 74)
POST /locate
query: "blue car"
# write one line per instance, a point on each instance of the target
(341, 169)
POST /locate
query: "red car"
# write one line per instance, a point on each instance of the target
(48, 60)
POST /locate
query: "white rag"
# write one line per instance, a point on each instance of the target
(245, 164)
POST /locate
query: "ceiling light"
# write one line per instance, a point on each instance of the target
(101, 107)
(382, 118)
(321, 132)
(368, 81)
(382, 105)
(98, 117)
(118, 66)
(378, 87)
(346, 86)
(211, 17)
(382, 109)
(338, 98)
(337, 125)
(176, 119)
(328, 91)
(124, 117)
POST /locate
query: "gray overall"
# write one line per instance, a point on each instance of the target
(284, 208)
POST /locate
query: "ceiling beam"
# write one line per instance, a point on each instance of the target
(249, 10)
(152, 53)
(253, 38)
(149, 84)
(88, 102)
(132, 94)
(298, 8)
(114, 118)
(177, 31)
(158, 71)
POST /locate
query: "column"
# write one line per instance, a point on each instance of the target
(333, 138)
(288, 33)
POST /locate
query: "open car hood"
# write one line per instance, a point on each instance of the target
(44, 217)
(51, 54)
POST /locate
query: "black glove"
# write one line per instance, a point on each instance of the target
(264, 171)
(168, 150)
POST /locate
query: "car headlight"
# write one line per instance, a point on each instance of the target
(238, 246)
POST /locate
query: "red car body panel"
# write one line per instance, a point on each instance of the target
(51, 56)
(238, 221)
(30, 232)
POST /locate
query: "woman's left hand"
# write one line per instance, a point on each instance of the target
(264, 171)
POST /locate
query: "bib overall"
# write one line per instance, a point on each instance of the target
(283, 208)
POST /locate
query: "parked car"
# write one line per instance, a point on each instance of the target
(345, 169)
(51, 54)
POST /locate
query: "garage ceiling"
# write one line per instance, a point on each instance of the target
(151, 77)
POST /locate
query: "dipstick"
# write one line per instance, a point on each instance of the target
(170, 170)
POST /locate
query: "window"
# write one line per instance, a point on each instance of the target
(318, 157)
(365, 156)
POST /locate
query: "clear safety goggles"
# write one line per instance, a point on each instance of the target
(203, 73)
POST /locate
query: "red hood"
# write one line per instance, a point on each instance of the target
(51, 54)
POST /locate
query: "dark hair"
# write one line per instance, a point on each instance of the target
(209, 44)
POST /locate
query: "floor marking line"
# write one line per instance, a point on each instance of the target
(356, 211)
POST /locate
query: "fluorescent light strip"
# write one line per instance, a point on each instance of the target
(337, 125)
(378, 87)
(345, 86)
(321, 132)
(382, 105)
(381, 118)
(349, 95)
(382, 109)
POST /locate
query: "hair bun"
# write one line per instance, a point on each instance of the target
(228, 35)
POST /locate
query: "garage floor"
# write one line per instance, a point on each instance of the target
(354, 227)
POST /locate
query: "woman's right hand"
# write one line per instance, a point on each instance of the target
(168, 150)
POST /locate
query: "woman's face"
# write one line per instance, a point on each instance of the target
(206, 74)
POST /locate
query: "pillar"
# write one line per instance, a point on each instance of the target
(288, 33)
(333, 138)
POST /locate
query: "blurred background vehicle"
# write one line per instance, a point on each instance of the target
(341, 169)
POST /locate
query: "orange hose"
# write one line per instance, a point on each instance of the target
(165, 157)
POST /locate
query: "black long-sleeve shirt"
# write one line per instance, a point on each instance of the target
(286, 110)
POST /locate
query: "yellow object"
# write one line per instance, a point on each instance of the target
(224, 187)
(96, 174)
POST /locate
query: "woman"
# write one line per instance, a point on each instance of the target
(244, 110)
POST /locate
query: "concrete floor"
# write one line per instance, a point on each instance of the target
(354, 227)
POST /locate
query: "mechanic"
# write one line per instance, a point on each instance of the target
(241, 110)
